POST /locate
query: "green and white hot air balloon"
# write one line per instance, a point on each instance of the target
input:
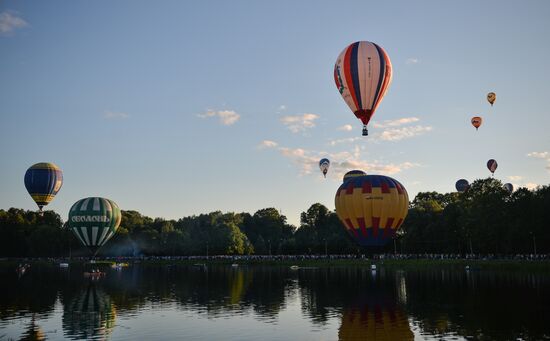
(94, 221)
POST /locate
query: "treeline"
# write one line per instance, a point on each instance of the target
(25, 233)
(486, 219)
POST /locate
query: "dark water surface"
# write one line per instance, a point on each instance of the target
(221, 302)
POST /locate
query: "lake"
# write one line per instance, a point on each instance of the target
(223, 302)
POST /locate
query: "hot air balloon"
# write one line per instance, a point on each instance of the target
(43, 180)
(491, 97)
(462, 185)
(371, 207)
(476, 121)
(363, 74)
(492, 166)
(324, 164)
(509, 187)
(94, 221)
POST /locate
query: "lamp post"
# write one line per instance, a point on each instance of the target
(534, 243)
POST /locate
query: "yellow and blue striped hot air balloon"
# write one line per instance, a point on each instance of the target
(43, 180)
(371, 207)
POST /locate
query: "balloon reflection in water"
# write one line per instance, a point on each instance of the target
(33, 332)
(89, 315)
(375, 319)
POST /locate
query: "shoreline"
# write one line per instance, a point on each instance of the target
(542, 265)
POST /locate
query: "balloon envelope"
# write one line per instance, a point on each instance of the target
(363, 73)
(94, 221)
(492, 165)
(324, 164)
(491, 97)
(371, 208)
(509, 187)
(462, 185)
(43, 180)
(476, 121)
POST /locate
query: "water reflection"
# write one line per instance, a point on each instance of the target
(346, 303)
(33, 332)
(90, 314)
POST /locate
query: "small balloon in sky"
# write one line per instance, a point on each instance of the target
(491, 98)
(324, 164)
(509, 187)
(492, 165)
(476, 121)
(462, 185)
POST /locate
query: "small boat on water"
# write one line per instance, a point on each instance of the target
(294, 267)
(94, 274)
(63, 265)
(234, 265)
(119, 266)
(373, 267)
(22, 268)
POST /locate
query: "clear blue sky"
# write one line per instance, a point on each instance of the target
(175, 108)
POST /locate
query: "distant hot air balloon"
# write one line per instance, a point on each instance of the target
(43, 180)
(363, 74)
(371, 207)
(476, 121)
(324, 164)
(492, 166)
(94, 221)
(509, 187)
(462, 185)
(491, 97)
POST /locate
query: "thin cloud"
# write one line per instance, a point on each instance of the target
(395, 123)
(9, 22)
(541, 155)
(281, 108)
(346, 127)
(307, 161)
(412, 61)
(531, 186)
(515, 178)
(227, 117)
(299, 123)
(115, 115)
(345, 140)
(267, 144)
(397, 134)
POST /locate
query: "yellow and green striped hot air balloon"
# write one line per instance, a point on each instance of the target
(94, 221)
(371, 207)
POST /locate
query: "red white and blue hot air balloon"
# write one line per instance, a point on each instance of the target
(363, 73)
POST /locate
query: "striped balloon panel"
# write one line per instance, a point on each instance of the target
(363, 73)
(476, 121)
(43, 181)
(94, 220)
(462, 185)
(90, 315)
(492, 165)
(324, 164)
(372, 208)
(375, 322)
